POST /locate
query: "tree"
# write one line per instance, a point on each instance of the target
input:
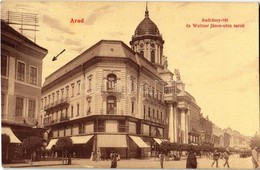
(31, 144)
(64, 144)
(255, 142)
(5, 146)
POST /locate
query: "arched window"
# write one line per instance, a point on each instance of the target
(152, 57)
(111, 81)
(111, 105)
(142, 53)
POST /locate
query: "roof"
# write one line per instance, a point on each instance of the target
(6, 27)
(147, 27)
(104, 48)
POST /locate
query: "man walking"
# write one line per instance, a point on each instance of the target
(113, 157)
(255, 158)
(226, 157)
(161, 157)
(215, 158)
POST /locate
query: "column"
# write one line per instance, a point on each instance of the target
(183, 126)
(175, 124)
(171, 122)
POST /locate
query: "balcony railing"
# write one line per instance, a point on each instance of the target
(115, 89)
(56, 103)
(63, 119)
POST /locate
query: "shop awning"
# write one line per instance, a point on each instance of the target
(51, 143)
(111, 141)
(159, 141)
(164, 140)
(8, 131)
(139, 142)
(81, 139)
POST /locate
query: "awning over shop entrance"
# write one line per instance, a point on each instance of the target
(164, 140)
(111, 141)
(8, 131)
(159, 141)
(51, 143)
(139, 142)
(81, 139)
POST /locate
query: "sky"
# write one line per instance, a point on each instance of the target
(218, 65)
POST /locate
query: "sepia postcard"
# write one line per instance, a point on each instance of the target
(130, 84)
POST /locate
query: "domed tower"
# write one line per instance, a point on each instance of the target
(148, 41)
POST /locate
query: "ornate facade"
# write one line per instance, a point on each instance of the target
(111, 91)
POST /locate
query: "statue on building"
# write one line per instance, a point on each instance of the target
(177, 73)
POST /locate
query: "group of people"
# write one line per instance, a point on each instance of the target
(216, 156)
(191, 162)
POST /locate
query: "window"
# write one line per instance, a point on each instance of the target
(152, 57)
(71, 111)
(89, 82)
(72, 90)
(78, 82)
(111, 81)
(111, 105)
(21, 71)
(3, 101)
(142, 53)
(144, 112)
(133, 106)
(132, 83)
(57, 92)
(88, 106)
(33, 75)
(19, 106)
(62, 91)
(157, 116)
(32, 107)
(121, 126)
(153, 113)
(41, 103)
(53, 98)
(3, 65)
(67, 88)
(149, 112)
(77, 109)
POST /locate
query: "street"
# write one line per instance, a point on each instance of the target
(234, 162)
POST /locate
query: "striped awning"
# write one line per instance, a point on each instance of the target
(111, 141)
(81, 139)
(51, 143)
(8, 131)
(139, 142)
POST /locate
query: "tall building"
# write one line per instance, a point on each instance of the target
(115, 97)
(21, 74)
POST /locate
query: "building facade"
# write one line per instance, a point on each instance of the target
(136, 101)
(21, 70)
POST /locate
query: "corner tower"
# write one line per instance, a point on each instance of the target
(148, 41)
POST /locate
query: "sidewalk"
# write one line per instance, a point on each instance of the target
(53, 164)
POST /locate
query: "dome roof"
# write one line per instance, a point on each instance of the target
(147, 27)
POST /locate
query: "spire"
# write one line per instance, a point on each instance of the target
(146, 11)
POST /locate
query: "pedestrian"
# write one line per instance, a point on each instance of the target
(97, 156)
(215, 158)
(255, 158)
(191, 161)
(226, 157)
(113, 157)
(92, 156)
(161, 157)
(69, 158)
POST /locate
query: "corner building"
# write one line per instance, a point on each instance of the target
(112, 97)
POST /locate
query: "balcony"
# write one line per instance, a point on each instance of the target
(64, 119)
(170, 97)
(112, 90)
(58, 103)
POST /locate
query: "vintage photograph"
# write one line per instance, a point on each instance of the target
(130, 84)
